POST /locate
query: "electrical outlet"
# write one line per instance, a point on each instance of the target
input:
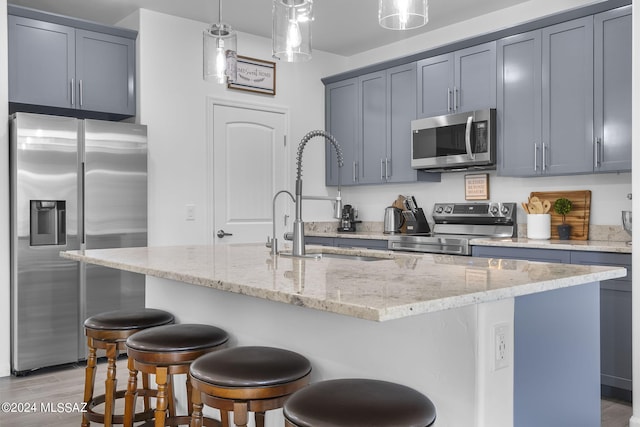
(190, 212)
(501, 346)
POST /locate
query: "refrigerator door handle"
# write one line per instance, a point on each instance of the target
(81, 231)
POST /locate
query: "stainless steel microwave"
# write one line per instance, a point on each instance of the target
(455, 141)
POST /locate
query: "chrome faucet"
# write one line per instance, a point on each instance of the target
(298, 225)
(273, 242)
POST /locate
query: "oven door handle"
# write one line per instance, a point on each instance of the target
(467, 138)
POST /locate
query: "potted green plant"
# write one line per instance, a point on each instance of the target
(562, 206)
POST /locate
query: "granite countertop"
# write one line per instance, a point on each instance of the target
(573, 245)
(606, 238)
(397, 286)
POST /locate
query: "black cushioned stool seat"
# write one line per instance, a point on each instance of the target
(246, 379)
(358, 403)
(165, 351)
(108, 331)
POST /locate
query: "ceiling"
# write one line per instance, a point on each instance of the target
(343, 27)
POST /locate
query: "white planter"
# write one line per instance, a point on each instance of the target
(539, 226)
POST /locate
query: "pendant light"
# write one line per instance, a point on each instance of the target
(403, 14)
(219, 51)
(291, 34)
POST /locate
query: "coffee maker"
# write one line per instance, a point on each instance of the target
(347, 219)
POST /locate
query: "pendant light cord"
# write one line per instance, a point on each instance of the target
(219, 11)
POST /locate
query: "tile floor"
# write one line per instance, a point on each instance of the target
(65, 385)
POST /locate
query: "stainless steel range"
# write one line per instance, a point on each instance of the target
(456, 224)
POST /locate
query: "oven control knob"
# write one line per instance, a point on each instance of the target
(448, 209)
(505, 210)
(494, 210)
(439, 209)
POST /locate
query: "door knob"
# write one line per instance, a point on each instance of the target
(221, 233)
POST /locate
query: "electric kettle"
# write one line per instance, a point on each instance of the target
(393, 220)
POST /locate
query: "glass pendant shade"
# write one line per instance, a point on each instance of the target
(219, 55)
(291, 34)
(403, 14)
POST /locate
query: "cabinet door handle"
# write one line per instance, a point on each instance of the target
(535, 157)
(80, 89)
(386, 168)
(456, 101)
(382, 169)
(544, 157)
(73, 91)
(598, 148)
(448, 99)
(354, 171)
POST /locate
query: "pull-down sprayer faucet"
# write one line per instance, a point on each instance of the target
(298, 224)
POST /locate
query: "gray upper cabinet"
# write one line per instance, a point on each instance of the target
(341, 120)
(370, 116)
(41, 62)
(57, 68)
(567, 98)
(105, 70)
(519, 103)
(612, 94)
(463, 80)
(545, 100)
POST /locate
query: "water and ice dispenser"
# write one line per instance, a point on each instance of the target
(48, 222)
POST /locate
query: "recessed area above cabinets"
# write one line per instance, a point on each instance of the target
(561, 87)
(60, 65)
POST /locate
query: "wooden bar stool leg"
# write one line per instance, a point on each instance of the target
(189, 395)
(161, 403)
(131, 394)
(259, 419)
(240, 414)
(110, 384)
(145, 385)
(89, 378)
(224, 417)
(196, 409)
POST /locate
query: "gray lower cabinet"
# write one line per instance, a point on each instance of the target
(346, 242)
(545, 100)
(464, 80)
(615, 310)
(55, 66)
(370, 116)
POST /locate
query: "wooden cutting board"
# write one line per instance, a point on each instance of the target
(578, 218)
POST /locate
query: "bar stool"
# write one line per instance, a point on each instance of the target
(166, 351)
(246, 379)
(358, 403)
(108, 331)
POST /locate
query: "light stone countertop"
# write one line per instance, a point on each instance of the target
(572, 245)
(606, 238)
(398, 286)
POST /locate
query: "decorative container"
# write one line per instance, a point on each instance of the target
(539, 226)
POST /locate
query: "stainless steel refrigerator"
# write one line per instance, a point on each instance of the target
(75, 184)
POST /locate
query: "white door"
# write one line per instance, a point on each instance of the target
(250, 165)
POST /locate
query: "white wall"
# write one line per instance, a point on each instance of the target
(172, 102)
(5, 307)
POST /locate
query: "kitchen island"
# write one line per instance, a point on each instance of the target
(492, 342)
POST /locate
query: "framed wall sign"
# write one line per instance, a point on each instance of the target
(255, 75)
(476, 186)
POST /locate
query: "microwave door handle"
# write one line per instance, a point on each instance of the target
(467, 138)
